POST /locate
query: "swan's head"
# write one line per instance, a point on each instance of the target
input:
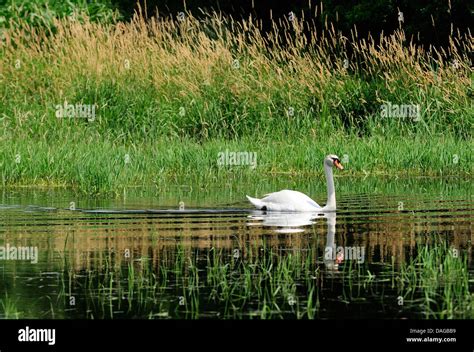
(333, 160)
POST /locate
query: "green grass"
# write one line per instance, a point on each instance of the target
(93, 166)
(172, 95)
(262, 282)
(440, 276)
(42, 13)
(8, 308)
(255, 281)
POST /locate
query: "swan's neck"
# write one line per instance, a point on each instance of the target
(331, 203)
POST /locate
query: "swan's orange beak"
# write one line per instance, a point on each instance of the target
(338, 164)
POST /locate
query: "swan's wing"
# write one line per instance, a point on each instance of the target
(287, 197)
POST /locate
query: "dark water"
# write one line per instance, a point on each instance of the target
(143, 254)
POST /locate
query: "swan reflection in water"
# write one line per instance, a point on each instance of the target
(289, 223)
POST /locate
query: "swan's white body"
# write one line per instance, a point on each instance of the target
(295, 201)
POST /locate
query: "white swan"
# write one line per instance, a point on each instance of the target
(287, 200)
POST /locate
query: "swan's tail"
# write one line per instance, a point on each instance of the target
(257, 202)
